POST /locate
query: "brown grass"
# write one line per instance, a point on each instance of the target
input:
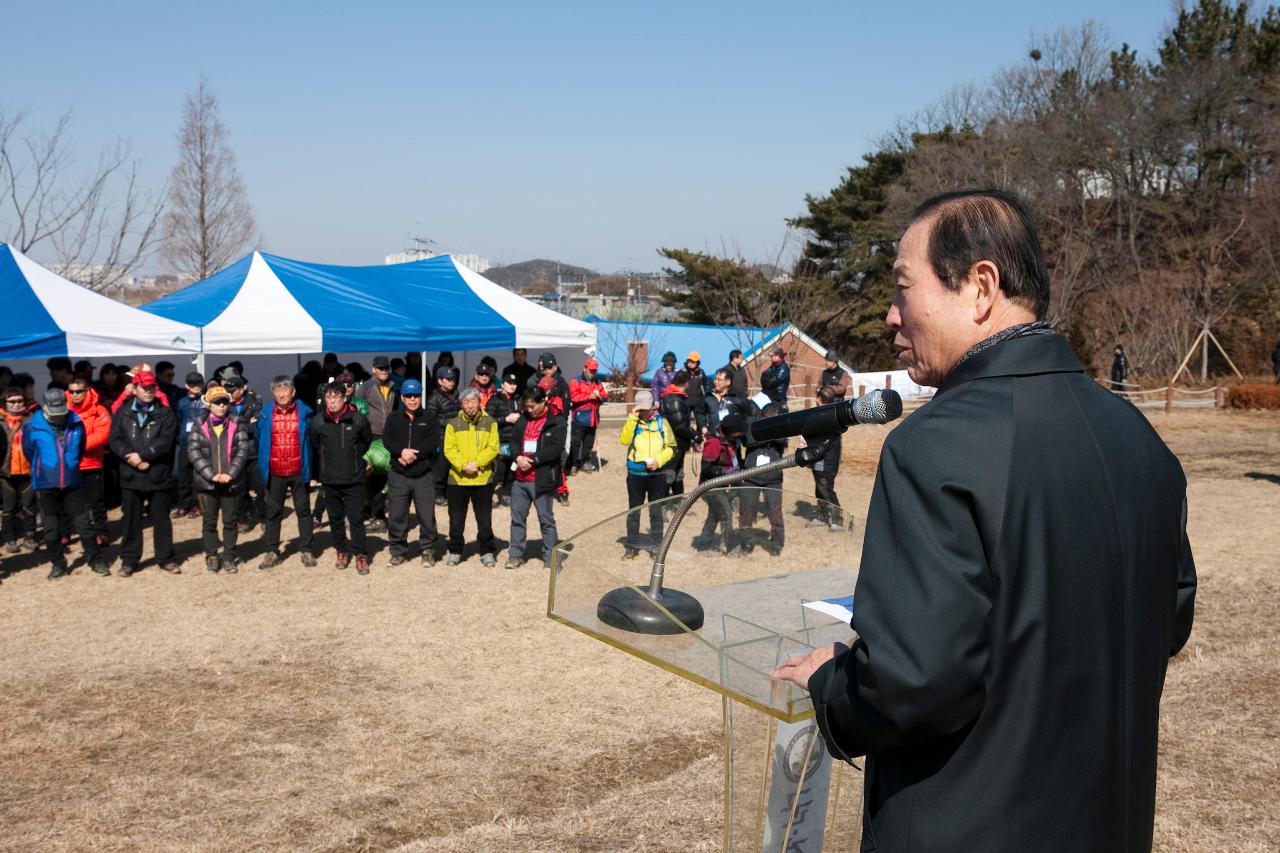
(440, 710)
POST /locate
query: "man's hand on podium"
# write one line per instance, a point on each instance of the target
(798, 668)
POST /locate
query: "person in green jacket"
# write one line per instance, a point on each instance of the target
(471, 448)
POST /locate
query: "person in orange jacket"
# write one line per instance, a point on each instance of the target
(19, 501)
(83, 400)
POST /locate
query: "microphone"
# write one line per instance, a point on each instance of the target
(875, 407)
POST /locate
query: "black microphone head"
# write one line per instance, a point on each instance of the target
(878, 407)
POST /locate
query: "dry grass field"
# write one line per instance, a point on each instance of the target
(439, 709)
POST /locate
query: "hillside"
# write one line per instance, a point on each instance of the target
(536, 274)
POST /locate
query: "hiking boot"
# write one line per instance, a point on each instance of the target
(13, 547)
(308, 559)
(375, 525)
(441, 501)
(101, 567)
(270, 560)
(213, 564)
(815, 522)
(344, 559)
(630, 553)
(428, 558)
(514, 562)
(362, 565)
(504, 500)
(178, 513)
(488, 561)
(171, 566)
(126, 571)
(194, 512)
(230, 565)
(453, 560)
(58, 572)
(31, 543)
(562, 499)
(397, 560)
(244, 526)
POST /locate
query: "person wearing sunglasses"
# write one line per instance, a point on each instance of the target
(220, 453)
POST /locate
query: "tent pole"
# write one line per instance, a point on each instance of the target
(423, 354)
(200, 363)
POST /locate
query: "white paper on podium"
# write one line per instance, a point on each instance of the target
(837, 608)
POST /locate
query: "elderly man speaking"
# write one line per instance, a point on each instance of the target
(1025, 574)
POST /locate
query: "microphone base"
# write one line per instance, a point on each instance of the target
(629, 610)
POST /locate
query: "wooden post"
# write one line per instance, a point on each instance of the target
(1168, 399)
(1218, 397)
(637, 361)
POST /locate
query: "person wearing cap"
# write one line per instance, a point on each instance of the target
(538, 438)
(53, 441)
(505, 407)
(736, 368)
(341, 437)
(83, 400)
(411, 437)
(651, 445)
(220, 453)
(143, 435)
(126, 394)
(698, 388)
(678, 412)
(188, 408)
(441, 407)
(586, 393)
(247, 406)
(471, 448)
(781, 381)
(283, 441)
(18, 506)
(347, 380)
(548, 368)
(380, 393)
(663, 375)
(833, 376)
(521, 368)
(483, 382)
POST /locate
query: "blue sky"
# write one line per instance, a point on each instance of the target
(592, 133)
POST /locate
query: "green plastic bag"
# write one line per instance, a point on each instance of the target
(378, 457)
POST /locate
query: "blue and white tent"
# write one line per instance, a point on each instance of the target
(46, 316)
(267, 304)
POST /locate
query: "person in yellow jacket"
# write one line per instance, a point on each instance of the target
(471, 448)
(651, 445)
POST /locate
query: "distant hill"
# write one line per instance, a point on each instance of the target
(536, 275)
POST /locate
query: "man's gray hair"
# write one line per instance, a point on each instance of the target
(468, 394)
(282, 381)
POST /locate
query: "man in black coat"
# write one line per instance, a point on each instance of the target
(341, 436)
(412, 437)
(506, 407)
(143, 435)
(1025, 574)
(676, 408)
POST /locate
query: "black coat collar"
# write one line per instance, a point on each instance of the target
(1026, 356)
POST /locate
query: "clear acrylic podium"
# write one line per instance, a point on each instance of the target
(782, 791)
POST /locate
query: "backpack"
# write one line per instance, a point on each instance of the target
(640, 468)
(717, 451)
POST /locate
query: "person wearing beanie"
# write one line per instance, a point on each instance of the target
(187, 408)
(651, 445)
(698, 388)
(834, 377)
(19, 500)
(471, 448)
(83, 400)
(143, 435)
(663, 375)
(53, 441)
(586, 393)
(411, 438)
(341, 436)
(220, 454)
(441, 408)
(676, 408)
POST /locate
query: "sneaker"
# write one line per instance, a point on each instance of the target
(13, 547)
(563, 500)
(488, 561)
(397, 560)
(58, 572)
(362, 565)
(514, 562)
(178, 513)
(171, 566)
(100, 567)
(376, 525)
(815, 522)
(194, 512)
(31, 543)
(230, 565)
(505, 500)
(126, 571)
(836, 526)
(453, 560)
(308, 559)
(630, 553)
(344, 559)
(428, 558)
(270, 560)
(441, 501)
(213, 564)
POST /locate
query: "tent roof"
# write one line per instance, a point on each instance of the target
(268, 304)
(712, 343)
(46, 316)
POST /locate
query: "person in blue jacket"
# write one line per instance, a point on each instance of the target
(53, 441)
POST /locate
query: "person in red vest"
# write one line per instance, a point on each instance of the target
(586, 393)
(284, 462)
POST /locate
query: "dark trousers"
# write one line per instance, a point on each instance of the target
(220, 500)
(584, 439)
(481, 500)
(132, 502)
(18, 505)
(719, 505)
(297, 488)
(508, 476)
(677, 470)
(748, 508)
(95, 505)
(254, 505)
(375, 485)
(640, 488)
(54, 503)
(440, 471)
(346, 501)
(824, 489)
(400, 491)
(183, 475)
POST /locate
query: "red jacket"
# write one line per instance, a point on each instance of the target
(580, 390)
(286, 448)
(97, 428)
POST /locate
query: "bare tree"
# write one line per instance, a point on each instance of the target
(209, 223)
(102, 225)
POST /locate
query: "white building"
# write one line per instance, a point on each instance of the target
(473, 262)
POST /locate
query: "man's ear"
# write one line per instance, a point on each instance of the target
(985, 277)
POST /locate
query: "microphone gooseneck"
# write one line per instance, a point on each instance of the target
(875, 407)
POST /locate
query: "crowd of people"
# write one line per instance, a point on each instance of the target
(362, 447)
